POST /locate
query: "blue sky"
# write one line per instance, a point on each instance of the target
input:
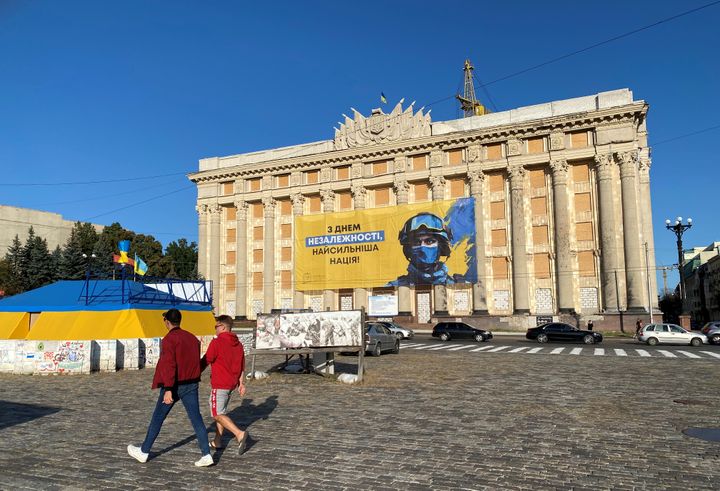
(98, 91)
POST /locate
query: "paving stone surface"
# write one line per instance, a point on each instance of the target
(419, 421)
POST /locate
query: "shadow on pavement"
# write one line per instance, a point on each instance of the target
(15, 413)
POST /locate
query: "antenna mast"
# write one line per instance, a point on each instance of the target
(468, 102)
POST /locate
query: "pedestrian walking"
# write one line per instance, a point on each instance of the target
(226, 357)
(638, 328)
(590, 325)
(176, 375)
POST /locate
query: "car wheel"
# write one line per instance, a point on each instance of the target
(444, 337)
(589, 339)
(695, 342)
(652, 341)
(715, 339)
(542, 338)
(396, 349)
(377, 350)
(479, 338)
(399, 335)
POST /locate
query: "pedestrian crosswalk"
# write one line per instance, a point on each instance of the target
(566, 350)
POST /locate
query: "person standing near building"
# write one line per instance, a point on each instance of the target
(226, 357)
(176, 375)
(638, 327)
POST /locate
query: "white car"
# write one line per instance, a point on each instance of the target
(653, 334)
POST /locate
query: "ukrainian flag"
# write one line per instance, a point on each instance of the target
(382, 98)
(140, 266)
(124, 247)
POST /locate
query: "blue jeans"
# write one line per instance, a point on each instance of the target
(188, 394)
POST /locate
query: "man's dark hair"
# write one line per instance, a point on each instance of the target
(173, 316)
(225, 319)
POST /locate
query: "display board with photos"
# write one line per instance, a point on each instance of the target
(308, 330)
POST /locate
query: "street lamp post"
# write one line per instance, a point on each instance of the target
(679, 229)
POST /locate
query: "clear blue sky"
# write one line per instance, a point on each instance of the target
(93, 91)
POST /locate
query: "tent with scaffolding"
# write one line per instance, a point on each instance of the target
(106, 309)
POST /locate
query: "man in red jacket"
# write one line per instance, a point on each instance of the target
(176, 375)
(226, 358)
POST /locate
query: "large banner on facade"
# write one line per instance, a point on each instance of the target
(309, 329)
(429, 243)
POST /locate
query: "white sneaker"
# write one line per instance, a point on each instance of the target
(205, 461)
(137, 453)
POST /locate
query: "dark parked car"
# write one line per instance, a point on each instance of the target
(557, 331)
(459, 330)
(378, 338)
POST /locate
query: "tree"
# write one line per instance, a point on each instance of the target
(56, 260)
(107, 245)
(671, 306)
(38, 268)
(183, 259)
(72, 263)
(13, 258)
(87, 236)
(150, 250)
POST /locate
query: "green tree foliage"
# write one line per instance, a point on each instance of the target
(72, 263)
(107, 245)
(13, 258)
(36, 263)
(183, 259)
(87, 235)
(671, 307)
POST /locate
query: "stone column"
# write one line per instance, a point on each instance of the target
(328, 204)
(646, 213)
(634, 260)
(202, 265)
(438, 193)
(214, 249)
(563, 257)
(521, 300)
(477, 180)
(359, 194)
(241, 277)
(404, 303)
(269, 255)
(609, 252)
(298, 204)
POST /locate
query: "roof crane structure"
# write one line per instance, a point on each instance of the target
(468, 102)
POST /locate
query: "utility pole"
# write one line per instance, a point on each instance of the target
(647, 277)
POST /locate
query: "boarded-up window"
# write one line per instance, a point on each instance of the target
(257, 281)
(229, 257)
(499, 268)
(230, 282)
(419, 162)
(257, 210)
(455, 157)
(283, 181)
(457, 187)
(494, 151)
(254, 184)
(582, 202)
(579, 139)
(584, 231)
(421, 191)
(538, 206)
(379, 168)
(285, 207)
(228, 188)
(344, 200)
(496, 183)
(540, 235)
(286, 231)
(314, 204)
(536, 145)
(382, 196)
(343, 172)
(230, 235)
(586, 263)
(285, 280)
(581, 173)
(257, 256)
(312, 176)
(497, 210)
(542, 266)
(230, 213)
(537, 178)
(286, 254)
(499, 238)
(257, 233)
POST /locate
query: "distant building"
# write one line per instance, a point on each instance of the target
(553, 202)
(701, 269)
(50, 226)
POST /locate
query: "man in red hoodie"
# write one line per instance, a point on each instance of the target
(176, 375)
(226, 357)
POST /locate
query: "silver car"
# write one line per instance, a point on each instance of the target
(398, 330)
(712, 331)
(378, 338)
(653, 334)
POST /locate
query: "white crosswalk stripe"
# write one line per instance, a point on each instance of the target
(534, 350)
(464, 346)
(443, 346)
(599, 352)
(688, 354)
(576, 351)
(518, 350)
(716, 355)
(410, 345)
(481, 348)
(557, 351)
(667, 353)
(499, 348)
(423, 346)
(642, 352)
(620, 352)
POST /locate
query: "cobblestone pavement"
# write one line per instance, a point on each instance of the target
(419, 421)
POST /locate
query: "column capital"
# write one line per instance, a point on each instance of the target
(628, 162)
(401, 190)
(269, 206)
(477, 178)
(242, 207)
(517, 176)
(358, 191)
(604, 163)
(559, 169)
(213, 209)
(202, 210)
(298, 200)
(327, 196)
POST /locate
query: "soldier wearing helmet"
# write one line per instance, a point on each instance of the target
(425, 239)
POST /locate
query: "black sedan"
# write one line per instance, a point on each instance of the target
(459, 330)
(557, 331)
